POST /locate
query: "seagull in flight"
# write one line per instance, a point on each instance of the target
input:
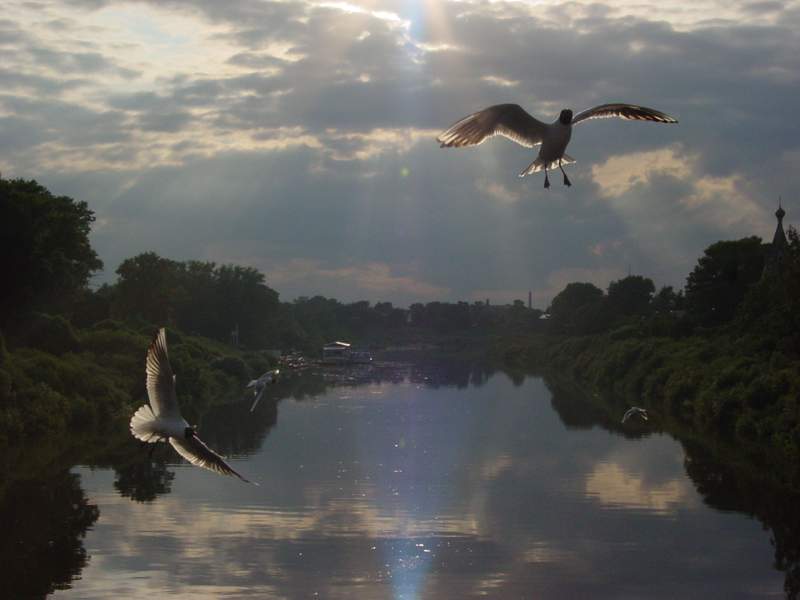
(634, 411)
(161, 420)
(511, 121)
(260, 384)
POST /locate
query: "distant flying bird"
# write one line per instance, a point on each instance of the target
(634, 410)
(511, 121)
(260, 384)
(161, 420)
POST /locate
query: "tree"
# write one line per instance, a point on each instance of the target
(245, 300)
(722, 277)
(771, 308)
(44, 243)
(576, 308)
(667, 300)
(149, 288)
(631, 295)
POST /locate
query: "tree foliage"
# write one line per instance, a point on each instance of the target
(722, 277)
(198, 297)
(577, 308)
(631, 295)
(44, 242)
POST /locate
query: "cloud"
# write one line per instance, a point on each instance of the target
(618, 174)
(319, 120)
(373, 280)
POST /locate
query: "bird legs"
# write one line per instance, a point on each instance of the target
(567, 182)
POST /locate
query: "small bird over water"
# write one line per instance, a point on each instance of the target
(161, 420)
(634, 411)
(511, 121)
(260, 384)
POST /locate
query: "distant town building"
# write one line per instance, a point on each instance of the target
(336, 352)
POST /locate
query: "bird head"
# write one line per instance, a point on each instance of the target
(565, 118)
(189, 432)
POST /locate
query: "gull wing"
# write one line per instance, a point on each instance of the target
(623, 111)
(197, 453)
(509, 120)
(258, 397)
(160, 379)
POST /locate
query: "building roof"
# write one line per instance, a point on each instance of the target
(333, 345)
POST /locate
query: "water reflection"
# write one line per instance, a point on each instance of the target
(727, 488)
(431, 482)
(143, 481)
(44, 522)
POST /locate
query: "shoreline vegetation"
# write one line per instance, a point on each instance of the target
(718, 360)
(721, 356)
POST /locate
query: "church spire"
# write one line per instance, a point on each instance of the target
(779, 239)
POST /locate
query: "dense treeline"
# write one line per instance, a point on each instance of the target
(71, 357)
(723, 355)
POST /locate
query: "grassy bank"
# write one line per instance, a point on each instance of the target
(58, 378)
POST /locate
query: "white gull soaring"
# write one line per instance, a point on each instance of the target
(161, 420)
(511, 121)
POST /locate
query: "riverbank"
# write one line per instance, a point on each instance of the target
(724, 385)
(58, 378)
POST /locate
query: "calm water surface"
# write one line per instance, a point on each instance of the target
(408, 486)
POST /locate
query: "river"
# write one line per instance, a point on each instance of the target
(406, 483)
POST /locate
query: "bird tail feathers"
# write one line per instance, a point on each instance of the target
(143, 425)
(539, 165)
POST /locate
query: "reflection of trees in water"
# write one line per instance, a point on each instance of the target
(233, 430)
(144, 480)
(749, 491)
(746, 489)
(577, 411)
(44, 522)
(434, 373)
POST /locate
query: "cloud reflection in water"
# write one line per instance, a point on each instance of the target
(430, 492)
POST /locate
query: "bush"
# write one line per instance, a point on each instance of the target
(53, 334)
(233, 366)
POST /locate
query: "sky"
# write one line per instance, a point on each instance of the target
(299, 138)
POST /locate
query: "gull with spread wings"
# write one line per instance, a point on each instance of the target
(511, 121)
(260, 384)
(161, 420)
(634, 411)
